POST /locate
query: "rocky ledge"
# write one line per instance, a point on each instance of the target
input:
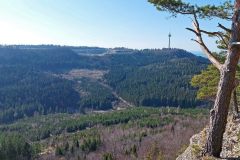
(231, 144)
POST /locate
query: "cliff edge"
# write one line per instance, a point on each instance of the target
(231, 144)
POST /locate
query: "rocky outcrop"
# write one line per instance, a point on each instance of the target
(231, 144)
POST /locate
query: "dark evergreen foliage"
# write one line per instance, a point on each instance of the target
(150, 78)
(30, 85)
(14, 146)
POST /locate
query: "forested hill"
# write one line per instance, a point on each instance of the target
(49, 79)
(156, 77)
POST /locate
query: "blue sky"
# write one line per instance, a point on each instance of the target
(104, 23)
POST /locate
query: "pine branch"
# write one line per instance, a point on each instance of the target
(224, 28)
(217, 34)
(200, 41)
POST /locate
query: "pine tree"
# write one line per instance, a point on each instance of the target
(228, 82)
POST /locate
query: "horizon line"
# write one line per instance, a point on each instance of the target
(93, 46)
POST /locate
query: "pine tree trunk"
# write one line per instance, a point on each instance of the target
(218, 115)
(235, 105)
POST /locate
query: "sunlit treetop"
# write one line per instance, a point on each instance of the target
(223, 10)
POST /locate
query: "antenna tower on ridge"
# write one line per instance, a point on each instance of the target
(169, 40)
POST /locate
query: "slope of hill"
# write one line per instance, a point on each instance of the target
(134, 133)
(231, 143)
(157, 83)
(32, 81)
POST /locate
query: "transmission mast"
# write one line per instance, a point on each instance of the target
(169, 40)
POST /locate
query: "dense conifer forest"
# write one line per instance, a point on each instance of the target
(33, 79)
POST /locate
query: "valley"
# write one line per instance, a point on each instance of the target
(58, 80)
(62, 103)
(134, 133)
(119, 80)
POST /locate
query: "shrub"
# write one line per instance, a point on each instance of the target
(107, 156)
(91, 143)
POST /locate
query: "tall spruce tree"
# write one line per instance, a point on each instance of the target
(229, 11)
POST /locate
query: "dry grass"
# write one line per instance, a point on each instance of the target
(151, 143)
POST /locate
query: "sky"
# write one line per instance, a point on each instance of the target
(103, 23)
